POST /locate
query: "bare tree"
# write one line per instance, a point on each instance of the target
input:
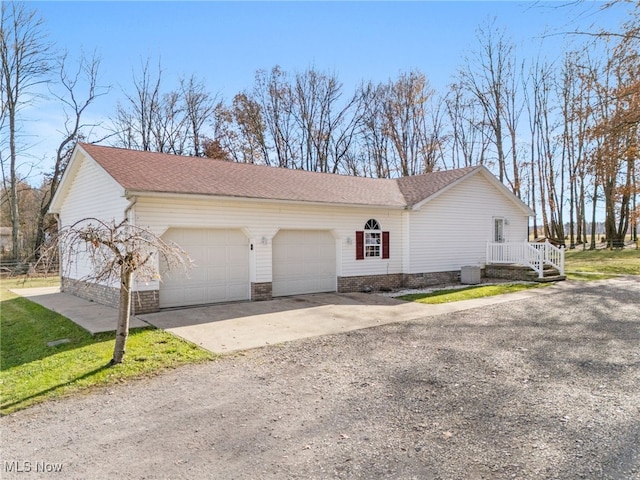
(468, 144)
(24, 52)
(488, 73)
(199, 106)
(374, 155)
(325, 127)
(116, 252)
(272, 92)
(134, 120)
(405, 121)
(71, 81)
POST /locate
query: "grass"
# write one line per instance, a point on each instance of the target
(29, 282)
(468, 293)
(603, 261)
(32, 372)
(588, 277)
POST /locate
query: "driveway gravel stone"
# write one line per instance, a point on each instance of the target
(544, 387)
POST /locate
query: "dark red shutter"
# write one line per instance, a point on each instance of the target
(385, 244)
(359, 245)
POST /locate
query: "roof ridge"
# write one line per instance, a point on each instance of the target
(144, 171)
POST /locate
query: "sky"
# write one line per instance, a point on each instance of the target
(224, 43)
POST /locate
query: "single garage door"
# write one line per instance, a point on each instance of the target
(220, 272)
(304, 261)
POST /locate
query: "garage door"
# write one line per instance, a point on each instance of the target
(304, 261)
(220, 272)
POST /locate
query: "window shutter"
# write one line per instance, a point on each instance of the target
(359, 245)
(385, 244)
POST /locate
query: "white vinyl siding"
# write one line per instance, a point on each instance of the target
(92, 194)
(453, 229)
(263, 220)
(304, 261)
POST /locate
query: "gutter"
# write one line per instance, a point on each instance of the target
(200, 196)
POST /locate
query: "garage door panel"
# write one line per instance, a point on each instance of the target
(237, 255)
(220, 272)
(304, 261)
(236, 276)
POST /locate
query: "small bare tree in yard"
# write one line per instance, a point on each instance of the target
(115, 252)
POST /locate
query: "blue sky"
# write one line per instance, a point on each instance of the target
(224, 43)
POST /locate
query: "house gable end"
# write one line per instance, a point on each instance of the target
(485, 173)
(78, 158)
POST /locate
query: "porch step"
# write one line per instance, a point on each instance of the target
(550, 274)
(552, 278)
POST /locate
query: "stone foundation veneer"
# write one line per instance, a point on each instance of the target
(509, 272)
(261, 291)
(141, 302)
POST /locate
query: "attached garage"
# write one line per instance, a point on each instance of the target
(304, 261)
(220, 272)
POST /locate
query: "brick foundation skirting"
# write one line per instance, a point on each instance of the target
(261, 291)
(146, 301)
(423, 280)
(395, 281)
(369, 283)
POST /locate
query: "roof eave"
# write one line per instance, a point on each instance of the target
(201, 196)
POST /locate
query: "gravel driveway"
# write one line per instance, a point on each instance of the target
(547, 387)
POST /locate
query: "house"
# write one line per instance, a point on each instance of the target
(257, 232)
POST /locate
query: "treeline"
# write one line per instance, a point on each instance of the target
(563, 136)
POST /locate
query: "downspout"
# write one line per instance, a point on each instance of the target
(132, 203)
(58, 228)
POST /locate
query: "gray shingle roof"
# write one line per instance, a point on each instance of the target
(140, 171)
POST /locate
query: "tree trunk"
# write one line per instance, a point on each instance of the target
(13, 195)
(124, 313)
(594, 203)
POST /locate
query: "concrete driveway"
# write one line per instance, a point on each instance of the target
(244, 325)
(225, 328)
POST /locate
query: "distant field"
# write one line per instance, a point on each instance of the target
(600, 243)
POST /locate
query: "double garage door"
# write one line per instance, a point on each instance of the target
(303, 262)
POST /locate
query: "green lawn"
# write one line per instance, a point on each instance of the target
(617, 262)
(468, 293)
(32, 372)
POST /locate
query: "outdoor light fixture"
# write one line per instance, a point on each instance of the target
(264, 240)
(349, 241)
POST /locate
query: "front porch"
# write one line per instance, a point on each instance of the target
(543, 261)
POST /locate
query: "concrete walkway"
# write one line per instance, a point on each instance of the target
(238, 326)
(91, 316)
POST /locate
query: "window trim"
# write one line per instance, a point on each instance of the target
(372, 239)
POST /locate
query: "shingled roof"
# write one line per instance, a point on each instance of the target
(138, 171)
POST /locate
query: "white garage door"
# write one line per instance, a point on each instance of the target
(220, 272)
(304, 261)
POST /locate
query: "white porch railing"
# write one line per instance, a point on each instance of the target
(533, 255)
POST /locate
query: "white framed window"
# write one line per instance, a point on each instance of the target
(372, 239)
